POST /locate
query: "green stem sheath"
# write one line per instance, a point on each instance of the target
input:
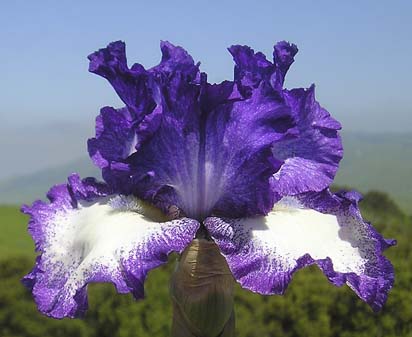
(201, 289)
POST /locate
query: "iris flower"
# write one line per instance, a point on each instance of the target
(246, 164)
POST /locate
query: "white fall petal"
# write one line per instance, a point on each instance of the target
(112, 239)
(263, 252)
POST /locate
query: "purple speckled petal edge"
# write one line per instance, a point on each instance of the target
(86, 234)
(328, 230)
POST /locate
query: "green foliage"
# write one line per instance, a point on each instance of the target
(14, 239)
(310, 307)
(18, 316)
(110, 314)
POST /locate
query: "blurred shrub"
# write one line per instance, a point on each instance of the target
(18, 316)
(311, 307)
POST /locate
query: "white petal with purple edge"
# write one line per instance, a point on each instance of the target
(264, 252)
(108, 239)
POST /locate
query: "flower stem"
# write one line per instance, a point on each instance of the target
(202, 293)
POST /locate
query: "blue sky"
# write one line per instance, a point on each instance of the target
(357, 52)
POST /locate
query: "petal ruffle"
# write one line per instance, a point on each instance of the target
(228, 149)
(116, 137)
(252, 69)
(132, 85)
(86, 234)
(312, 152)
(283, 57)
(152, 154)
(264, 252)
(238, 156)
(312, 149)
(199, 144)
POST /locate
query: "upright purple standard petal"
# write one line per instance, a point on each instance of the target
(312, 149)
(283, 57)
(251, 69)
(239, 164)
(311, 154)
(203, 148)
(164, 170)
(116, 137)
(119, 131)
(232, 148)
(132, 85)
(176, 59)
(321, 228)
(86, 234)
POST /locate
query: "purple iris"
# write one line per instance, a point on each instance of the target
(246, 161)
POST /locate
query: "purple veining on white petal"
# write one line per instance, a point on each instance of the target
(328, 230)
(85, 234)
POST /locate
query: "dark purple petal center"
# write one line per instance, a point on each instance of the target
(210, 149)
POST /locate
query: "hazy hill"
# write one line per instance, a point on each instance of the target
(379, 162)
(371, 162)
(25, 189)
(25, 150)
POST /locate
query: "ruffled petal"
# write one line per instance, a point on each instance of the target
(283, 57)
(228, 149)
(253, 69)
(212, 152)
(86, 234)
(239, 164)
(176, 59)
(199, 143)
(165, 170)
(153, 153)
(321, 228)
(133, 85)
(312, 149)
(312, 152)
(116, 137)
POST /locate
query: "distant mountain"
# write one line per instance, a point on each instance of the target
(40, 147)
(371, 162)
(378, 162)
(25, 189)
